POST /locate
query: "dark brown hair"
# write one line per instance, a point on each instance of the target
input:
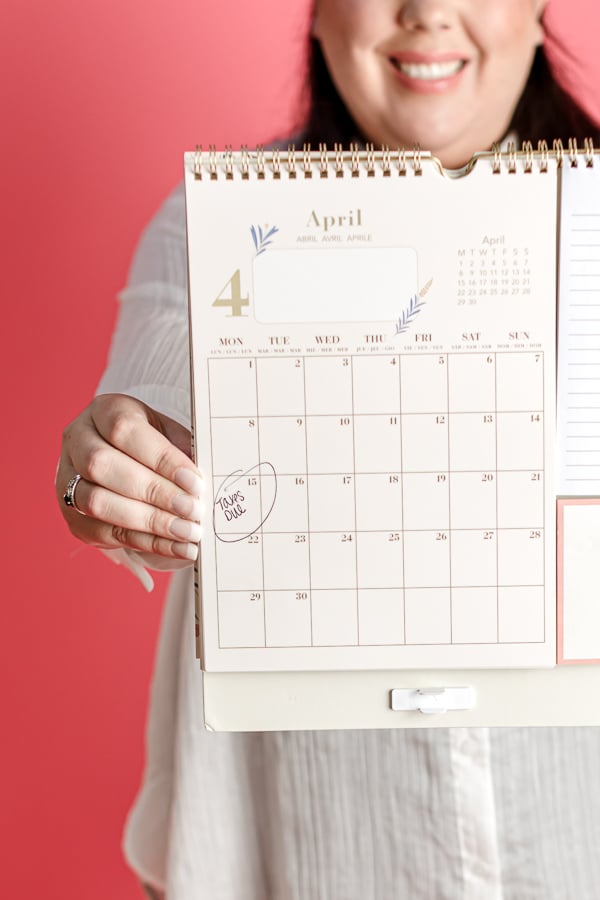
(545, 110)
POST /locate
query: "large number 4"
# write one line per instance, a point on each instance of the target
(234, 301)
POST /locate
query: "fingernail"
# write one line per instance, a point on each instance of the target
(186, 531)
(189, 481)
(186, 551)
(187, 507)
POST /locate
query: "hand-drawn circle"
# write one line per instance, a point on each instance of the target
(232, 479)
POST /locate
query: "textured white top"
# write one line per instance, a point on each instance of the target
(457, 814)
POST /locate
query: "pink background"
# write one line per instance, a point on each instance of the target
(98, 100)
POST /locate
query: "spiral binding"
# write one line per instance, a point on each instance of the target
(359, 161)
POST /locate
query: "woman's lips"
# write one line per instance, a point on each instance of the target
(428, 74)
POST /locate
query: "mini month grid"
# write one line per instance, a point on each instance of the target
(377, 440)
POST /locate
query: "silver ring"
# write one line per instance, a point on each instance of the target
(69, 494)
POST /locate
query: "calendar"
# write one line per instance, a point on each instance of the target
(373, 346)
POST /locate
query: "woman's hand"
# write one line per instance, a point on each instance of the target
(138, 487)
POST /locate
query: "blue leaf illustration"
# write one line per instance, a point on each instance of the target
(261, 240)
(407, 315)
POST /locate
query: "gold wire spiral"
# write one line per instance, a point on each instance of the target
(559, 152)
(323, 162)
(364, 160)
(245, 162)
(573, 152)
(306, 165)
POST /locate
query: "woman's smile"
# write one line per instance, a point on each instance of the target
(427, 73)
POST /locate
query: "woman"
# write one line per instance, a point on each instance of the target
(435, 815)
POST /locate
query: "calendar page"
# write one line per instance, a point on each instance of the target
(374, 391)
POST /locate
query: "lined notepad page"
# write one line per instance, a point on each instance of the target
(578, 388)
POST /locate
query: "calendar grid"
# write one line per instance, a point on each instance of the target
(260, 504)
(403, 576)
(544, 549)
(382, 576)
(310, 600)
(449, 495)
(496, 492)
(211, 418)
(355, 532)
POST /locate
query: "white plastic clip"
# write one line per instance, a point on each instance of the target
(431, 700)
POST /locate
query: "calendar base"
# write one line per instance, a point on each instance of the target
(297, 701)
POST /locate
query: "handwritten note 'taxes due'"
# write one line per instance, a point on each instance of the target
(243, 502)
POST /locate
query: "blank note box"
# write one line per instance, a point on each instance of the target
(520, 441)
(241, 619)
(376, 381)
(289, 512)
(379, 559)
(425, 443)
(378, 502)
(239, 565)
(331, 502)
(472, 500)
(285, 561)
(280, 386)
(424, 383)
(282, 441)
(381, 616)
(377, 443)
(333, 560)
(520, 499)
(288, 618)
(519, 381)
(520, 556)
(521, 614)
(426, 559)
(427, 616)
(328, 385)
(232, 384)
(234, 445)
(426, 500)
(472, 442)
(330, 446)
(335, 618)
(474, 615)
(473, 558)
(347, 284)
(472, 382)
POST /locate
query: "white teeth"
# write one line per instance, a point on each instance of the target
(430, 71)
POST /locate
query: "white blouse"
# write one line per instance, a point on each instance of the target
(456, 814)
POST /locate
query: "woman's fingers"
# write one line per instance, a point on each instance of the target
(110, 536)
(138, 487)
(104, 466)
(97, 502)
(142, 434)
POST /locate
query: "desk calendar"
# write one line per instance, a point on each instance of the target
(374, 382)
